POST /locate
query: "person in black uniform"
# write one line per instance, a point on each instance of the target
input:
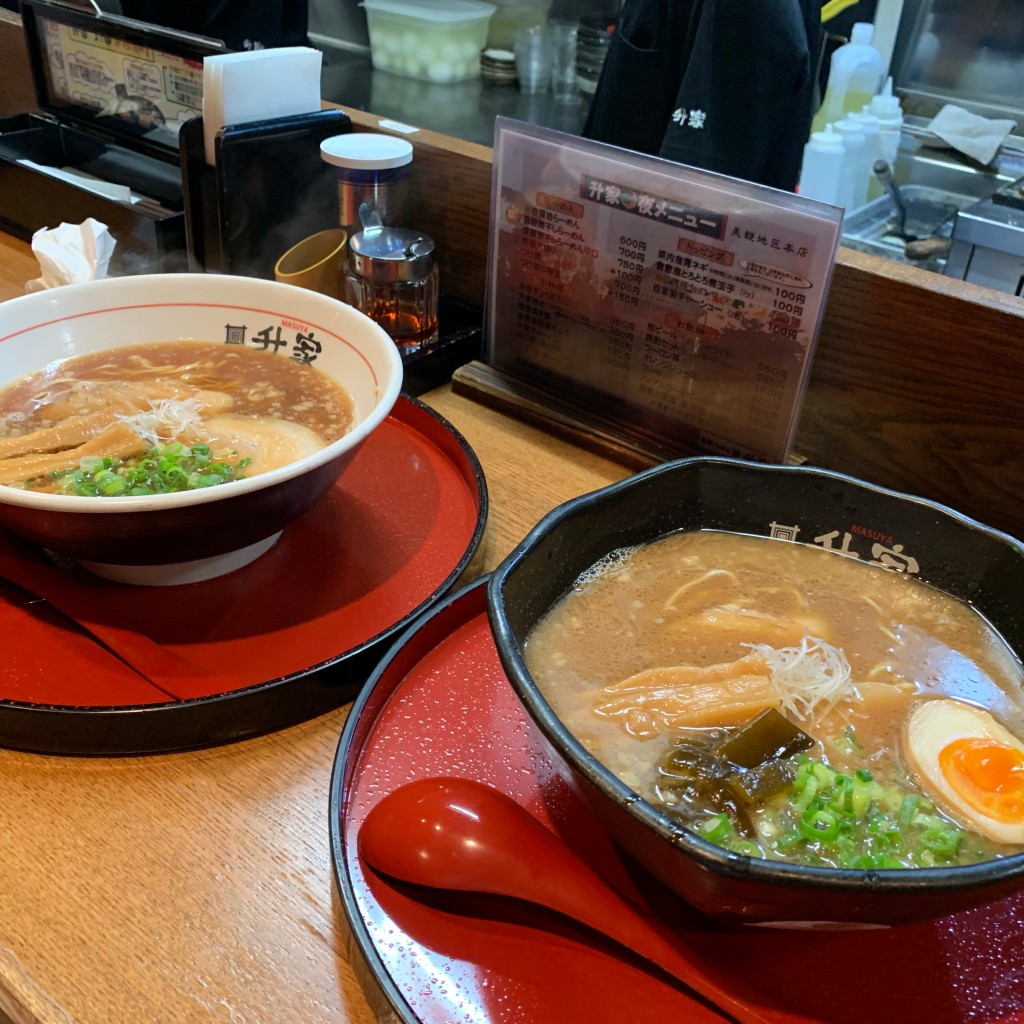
(241, 24)
(724, 85)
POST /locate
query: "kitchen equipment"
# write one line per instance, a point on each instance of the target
(498, 66)
(563, 61)
(855, 73)
(916, 218)
(534, 50)
(988, 241)
(451, 833)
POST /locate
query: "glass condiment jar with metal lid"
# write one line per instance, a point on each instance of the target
(392, 277)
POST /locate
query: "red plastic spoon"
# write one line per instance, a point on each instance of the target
(450, 833)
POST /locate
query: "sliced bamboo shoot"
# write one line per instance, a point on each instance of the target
(116, 442)
(71, 432)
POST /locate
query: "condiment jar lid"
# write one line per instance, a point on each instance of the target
(366, 151)
(391, 254)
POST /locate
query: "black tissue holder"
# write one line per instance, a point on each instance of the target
(267, 190)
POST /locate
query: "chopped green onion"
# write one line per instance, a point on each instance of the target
(943, 842)
(164, 468)
(717, 828)
(819, 825)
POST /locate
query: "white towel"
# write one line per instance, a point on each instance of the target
(978, 137)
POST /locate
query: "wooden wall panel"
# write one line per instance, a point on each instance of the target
(916, 385)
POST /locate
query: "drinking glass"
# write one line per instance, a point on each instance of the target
(563, 61)
(533, 50)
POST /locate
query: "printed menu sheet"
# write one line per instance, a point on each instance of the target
(677, 306)
(145, 89)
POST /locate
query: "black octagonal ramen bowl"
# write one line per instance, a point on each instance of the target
(892, 534)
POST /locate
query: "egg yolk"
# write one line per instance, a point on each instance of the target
(989, 775)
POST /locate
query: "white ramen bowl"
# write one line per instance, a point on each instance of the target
(193, 535)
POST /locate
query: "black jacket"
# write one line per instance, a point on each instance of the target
(725, 85)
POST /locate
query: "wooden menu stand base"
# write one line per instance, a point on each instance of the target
(569, 422)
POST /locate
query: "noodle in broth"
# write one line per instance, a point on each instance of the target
(167, 416)
(661, 653)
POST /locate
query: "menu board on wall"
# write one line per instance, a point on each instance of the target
(680, 307)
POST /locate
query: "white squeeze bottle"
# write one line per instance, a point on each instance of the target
(887, 109)
(854, 75)
(822, 168)
(853, 190)
(872, 150)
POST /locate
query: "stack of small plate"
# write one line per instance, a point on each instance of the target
(592, 41)
(498, 66)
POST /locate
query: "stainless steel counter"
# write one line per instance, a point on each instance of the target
(465, 110)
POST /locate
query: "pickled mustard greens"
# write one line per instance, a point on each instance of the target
(161, 470)
(798, 807)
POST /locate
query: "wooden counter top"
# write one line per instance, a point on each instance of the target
(198, 886)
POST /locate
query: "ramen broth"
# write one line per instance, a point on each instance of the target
(254, 410)
(660, 653)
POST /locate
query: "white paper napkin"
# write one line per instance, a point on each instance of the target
(978, 137)
(254, 85)
(108, 189)
(71, 253)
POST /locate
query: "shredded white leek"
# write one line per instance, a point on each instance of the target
(166, 419)
(810, 679)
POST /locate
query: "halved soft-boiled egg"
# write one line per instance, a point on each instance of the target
(970, 765)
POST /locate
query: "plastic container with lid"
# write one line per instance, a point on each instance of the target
(370, 168)
(438, 41)
(855, 73)
(822, 167)
(391, 276)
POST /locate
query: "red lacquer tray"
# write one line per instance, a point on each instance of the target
(439, 704)
(298, 630)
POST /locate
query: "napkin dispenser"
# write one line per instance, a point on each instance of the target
(268, 188)
(112, 94)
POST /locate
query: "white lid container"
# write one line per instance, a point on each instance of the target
(366, 151)
(447, 11)
(371, 170)
(438, 41)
